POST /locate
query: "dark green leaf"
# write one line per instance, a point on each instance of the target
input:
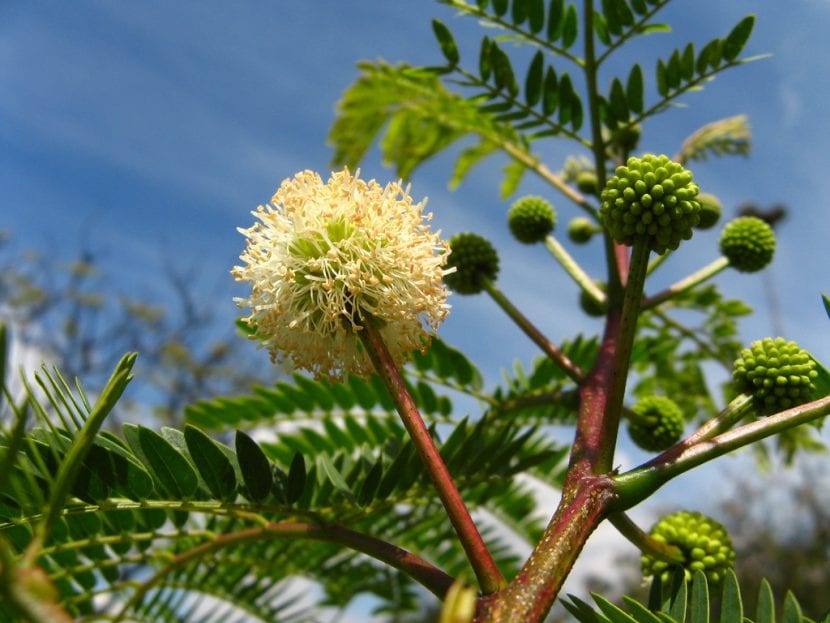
(687, 63)
(570, 28)
(577, 113)
(673, 71)
(215, 468)
(550, 99)
(255, 468)
(737, 38)
(500, 7)
(565, 95)
(601, 28)
(536, 15)
(617, 101)
(519, 12)
(503, 71)
(765, 609)
(533, 81)
(446, 41)
(662, 84)
(634, 89)
(826, 300)
(296, 479)
(710, 56)
(129, 476)
(612, 20)
(639, 7)
(370, 484)
(485, 63)
(172, 471)
(679, 591)
(731, 610)
(556, 20)
(699, 611)
(624, 13)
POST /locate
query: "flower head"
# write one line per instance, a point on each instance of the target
(325, 258)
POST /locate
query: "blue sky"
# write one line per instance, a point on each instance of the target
(153, 128)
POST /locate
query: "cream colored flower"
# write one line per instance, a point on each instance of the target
(325, 256)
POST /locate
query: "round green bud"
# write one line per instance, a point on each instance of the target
(581, 230)
(590, 305)
(657, 424)
(626, 139)
(748, 243)
(652, 200)
(704, 543)
(710, 210)
(531, 219)
(475, 261)
(586, 182)
(777, 373)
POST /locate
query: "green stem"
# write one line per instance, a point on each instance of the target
(693, 280)
(71, 463)
(658, 261)
(644, 541)
(538, 338)
(429, 576)
(485, 568)
(574, 269)
(641, 482)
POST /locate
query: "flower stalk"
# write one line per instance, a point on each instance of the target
(692, 281)
(485, 568)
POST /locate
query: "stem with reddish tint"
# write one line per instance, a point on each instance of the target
(488, 574)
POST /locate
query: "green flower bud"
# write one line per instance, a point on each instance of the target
(710, 210)
(590, 305)
(748, 243)
(704, 543)
(777, 373)
(475, 261)
(658, 424)
(531, 219)
(586, 182)
(581, 230)
(626, 139)
(651, 199)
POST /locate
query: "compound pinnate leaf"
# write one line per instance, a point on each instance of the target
(570, 28)
(255, 467)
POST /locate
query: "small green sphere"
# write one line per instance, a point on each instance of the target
(777, 373)
(659, 423)
(581, 230)
(650, 199)
(748, 243)
(531, 219)
(586, 182)
(704, 543)
(475, 261)
(710, 210)
(590, 305)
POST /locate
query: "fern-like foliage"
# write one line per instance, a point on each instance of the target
(684, 603)
(235, 521)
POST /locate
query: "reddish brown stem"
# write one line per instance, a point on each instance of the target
(488, 574)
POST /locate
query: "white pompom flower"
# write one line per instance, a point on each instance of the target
(326, 258)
